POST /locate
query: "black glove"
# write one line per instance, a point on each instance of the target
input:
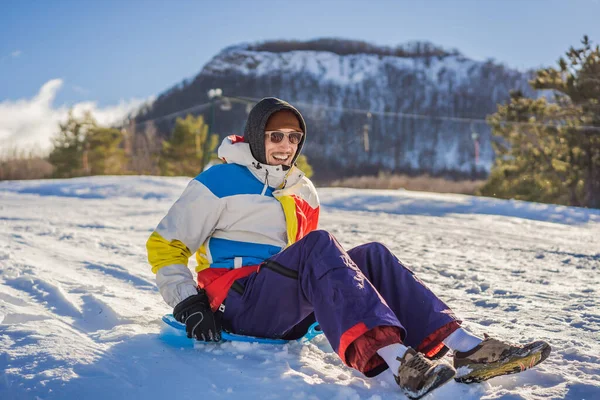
(199, 320)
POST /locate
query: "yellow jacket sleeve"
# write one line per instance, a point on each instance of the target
(189, 222)
(162, 252)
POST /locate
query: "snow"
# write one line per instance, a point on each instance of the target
(80, 313)
(339, 69)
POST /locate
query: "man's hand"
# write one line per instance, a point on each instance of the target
(199, 320)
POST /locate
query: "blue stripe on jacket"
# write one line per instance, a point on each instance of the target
(226, 180)
(223, 252)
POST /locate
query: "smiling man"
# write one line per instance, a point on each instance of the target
(283, 134)
(265, 270)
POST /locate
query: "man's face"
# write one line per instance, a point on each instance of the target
(281, 152)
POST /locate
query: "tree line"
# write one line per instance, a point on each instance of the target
(346, 47)
(82, 147)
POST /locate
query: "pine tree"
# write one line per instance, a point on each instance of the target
(189, 149)
(67, 155)
(105, 153)
(577, 86)
(545, 150)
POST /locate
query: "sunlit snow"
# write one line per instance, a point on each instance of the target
(80, 312)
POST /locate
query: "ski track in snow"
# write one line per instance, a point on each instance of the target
(80, 313)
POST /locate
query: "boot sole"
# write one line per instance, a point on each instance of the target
(441, 378)
(513, 365)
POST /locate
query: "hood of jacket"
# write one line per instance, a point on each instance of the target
(234, 150)
(254, 131)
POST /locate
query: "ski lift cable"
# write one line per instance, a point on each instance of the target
(250, 100)
(197, 107)
(428, 117)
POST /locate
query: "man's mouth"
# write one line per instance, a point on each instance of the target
(281, 157)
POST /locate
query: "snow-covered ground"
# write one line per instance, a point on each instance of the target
(80, 313)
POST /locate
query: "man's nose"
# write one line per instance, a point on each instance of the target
(285, 144)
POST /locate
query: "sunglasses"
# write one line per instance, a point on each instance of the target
(277, 137)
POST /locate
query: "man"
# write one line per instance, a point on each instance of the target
(252, 223)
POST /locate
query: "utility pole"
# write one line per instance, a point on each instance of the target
(366, 128)
(475, 137)
(213, 95)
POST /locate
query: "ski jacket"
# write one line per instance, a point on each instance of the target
(234, 216)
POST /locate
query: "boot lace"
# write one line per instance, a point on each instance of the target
(420, 363)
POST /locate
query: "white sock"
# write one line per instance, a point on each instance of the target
(461, 340)
(390, 355)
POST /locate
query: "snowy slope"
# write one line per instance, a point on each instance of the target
(80, 314)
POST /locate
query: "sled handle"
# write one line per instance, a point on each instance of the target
(313, 331)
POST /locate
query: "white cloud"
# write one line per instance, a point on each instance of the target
(80, 90)
(16, 53)
(30, 123)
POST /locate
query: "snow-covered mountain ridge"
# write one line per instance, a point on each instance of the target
(418, 98)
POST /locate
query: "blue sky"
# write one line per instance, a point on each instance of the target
(106, 51)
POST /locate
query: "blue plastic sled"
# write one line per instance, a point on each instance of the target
(313, 331)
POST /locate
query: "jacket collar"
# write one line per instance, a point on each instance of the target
(233, 150)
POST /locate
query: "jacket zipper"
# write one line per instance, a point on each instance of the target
(266, 183)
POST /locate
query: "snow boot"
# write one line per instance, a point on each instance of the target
(418, 376)
(494, 358)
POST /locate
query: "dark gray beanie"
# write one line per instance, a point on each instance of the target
(254, 133)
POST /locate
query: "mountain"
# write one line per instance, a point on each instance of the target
(417, 105)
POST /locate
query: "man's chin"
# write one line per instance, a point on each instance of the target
(279, 163)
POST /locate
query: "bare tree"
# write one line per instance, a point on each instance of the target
(145, 149)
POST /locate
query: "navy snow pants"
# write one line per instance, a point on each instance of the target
(317, 278)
